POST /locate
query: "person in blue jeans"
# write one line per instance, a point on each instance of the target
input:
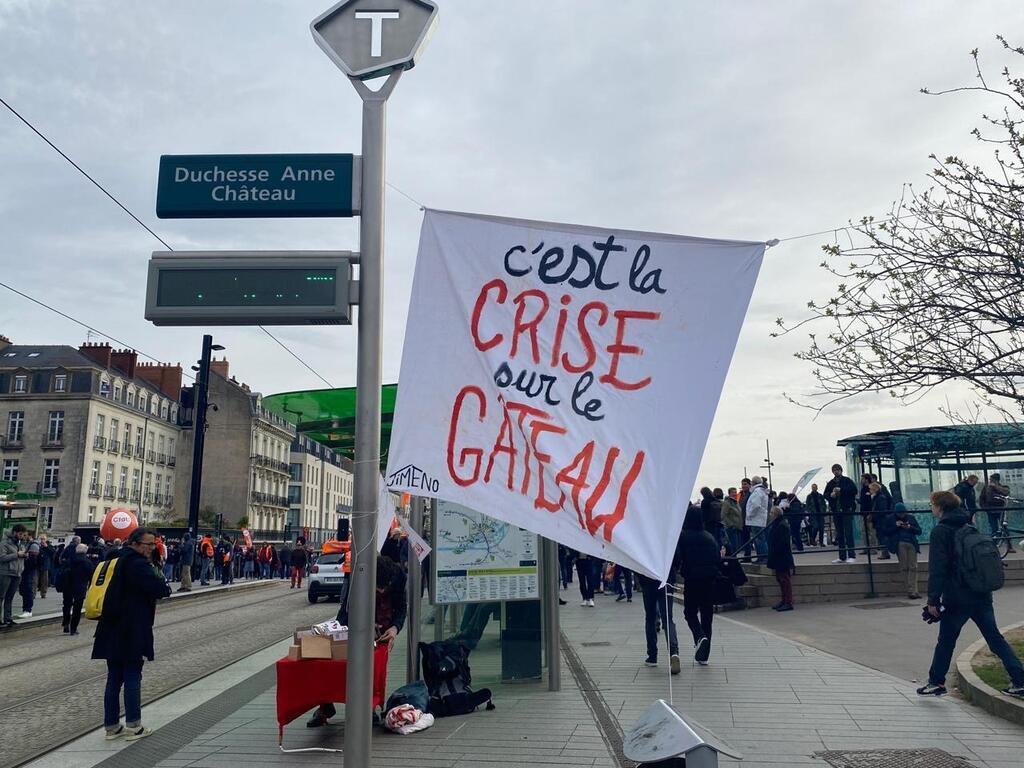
(125, 639)
(658, 610)
(953, 603)
(623, 584)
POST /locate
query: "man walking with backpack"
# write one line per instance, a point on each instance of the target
(964, 568)
(124, 635)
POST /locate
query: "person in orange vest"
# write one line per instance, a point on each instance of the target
(206, 559)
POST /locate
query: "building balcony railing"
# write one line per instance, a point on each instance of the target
(258, 497)
(11, 444)
(158, 499)
(126, 449)
(100, 443)
(108, 491)
(168, 501)
(51, 488)
(114, 446)
(122, 493)
(147, 498)
(151, 457)
(172, 460)
(161, 458)
(135, 495)
(94, 490)
(269, 463)
(53, 443)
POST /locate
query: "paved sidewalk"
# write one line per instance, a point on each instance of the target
(884, 633)
(775, 700)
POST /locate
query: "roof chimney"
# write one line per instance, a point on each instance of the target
(125, 361)
(98, 353)
(220, 367)
(4, 343)
(164, 376)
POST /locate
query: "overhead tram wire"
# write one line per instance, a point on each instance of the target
(97, 331)
(142, 224)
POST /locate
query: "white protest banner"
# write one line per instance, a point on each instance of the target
(416, 542)
(805, 478)
(385, 512)
(564, 378)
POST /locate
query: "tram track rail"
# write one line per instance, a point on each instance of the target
(35, 723)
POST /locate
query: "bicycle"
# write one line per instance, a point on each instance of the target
(1004, 539)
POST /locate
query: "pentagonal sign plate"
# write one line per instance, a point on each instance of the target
(370, 38)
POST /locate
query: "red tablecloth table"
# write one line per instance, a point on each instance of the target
(302, 685)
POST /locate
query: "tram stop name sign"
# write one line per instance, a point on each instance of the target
(258, 186)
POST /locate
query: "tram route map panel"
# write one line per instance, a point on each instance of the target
(480, 559)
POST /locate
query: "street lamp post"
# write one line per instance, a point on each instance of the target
(200, 402)
(768, 462)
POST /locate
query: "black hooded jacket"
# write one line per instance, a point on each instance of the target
(944, 585)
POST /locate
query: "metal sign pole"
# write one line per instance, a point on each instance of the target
(412, 661)
(552, 625)
(359, 695)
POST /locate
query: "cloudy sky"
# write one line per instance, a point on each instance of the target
(739, 120)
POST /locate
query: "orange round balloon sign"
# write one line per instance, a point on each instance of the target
(117, 524)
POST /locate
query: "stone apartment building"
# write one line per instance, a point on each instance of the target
(90, 429)
(320, 490)
(246, 456)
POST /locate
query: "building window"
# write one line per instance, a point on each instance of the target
(174, 414)
(130, 400)
(11, 470)
(117, 391)
(127, 435)
(94, 479)
(167, 489)
(295, 472)
(147, 487)
(108, 482)
(55, 427)
(143, 401)
(46, 517)
(138, 441)
(104, 388)
(122, 486)
(51, 475)
(101, 424)
(92, 514)
(136, 476)
(60, 383)
(21, 383)
(163, 409)
(15, 426)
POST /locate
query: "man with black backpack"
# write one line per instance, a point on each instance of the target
(964, 568)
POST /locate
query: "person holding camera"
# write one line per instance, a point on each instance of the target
(902, 532)
(964, 568)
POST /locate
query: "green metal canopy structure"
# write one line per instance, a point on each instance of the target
(329, 416)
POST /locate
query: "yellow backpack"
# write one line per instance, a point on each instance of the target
(99, 588)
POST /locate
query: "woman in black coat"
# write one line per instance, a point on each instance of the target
(124, 638)
(697, 560)
(75, 584)
(780, 557)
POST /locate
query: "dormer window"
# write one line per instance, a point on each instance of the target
(21, 383)
(60, 383)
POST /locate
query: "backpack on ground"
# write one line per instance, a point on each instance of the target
(446, 673)
(100, 601)
(414, 694)
(978, 563)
